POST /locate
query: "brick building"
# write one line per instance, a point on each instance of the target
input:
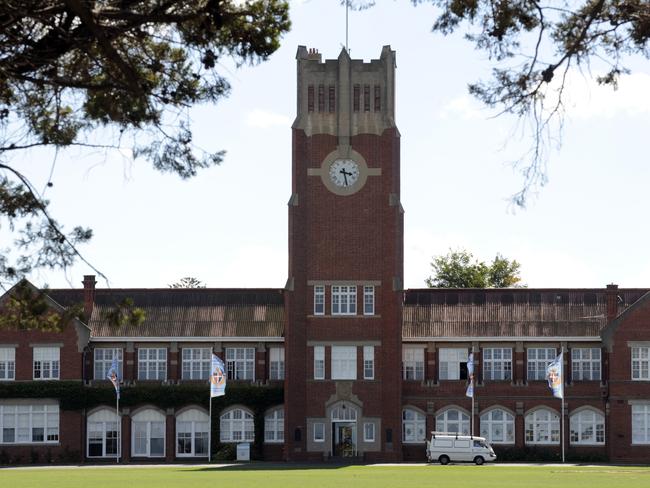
(342, 362)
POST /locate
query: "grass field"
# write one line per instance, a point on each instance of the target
(263, 476)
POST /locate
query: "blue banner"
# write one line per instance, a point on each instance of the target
(113, 375)
(470, 374)
(217, 377)
(555, 376)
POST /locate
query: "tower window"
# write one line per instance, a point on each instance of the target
(310, 98)
(366, 98)
(332, 99)
(377, 98)
(321, 98)
(344, 300)
(356, 99)
(319, 300)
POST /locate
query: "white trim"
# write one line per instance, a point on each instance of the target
(502, 339)
(211, 339)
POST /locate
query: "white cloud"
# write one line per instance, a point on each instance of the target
(264, 120)
(583, 98)
(586, 99)
(463, 107)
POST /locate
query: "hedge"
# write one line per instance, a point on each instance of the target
(74, 396)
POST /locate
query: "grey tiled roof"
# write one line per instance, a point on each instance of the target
(191, 312)
(443, 313)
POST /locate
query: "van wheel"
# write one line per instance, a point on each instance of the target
(443, 460)
(479, 460)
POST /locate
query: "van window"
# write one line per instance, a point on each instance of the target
(442, 442)
(479, 444)
(460, 443)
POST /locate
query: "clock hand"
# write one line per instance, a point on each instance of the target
(345, 175)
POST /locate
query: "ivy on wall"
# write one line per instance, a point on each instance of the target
(74, 396)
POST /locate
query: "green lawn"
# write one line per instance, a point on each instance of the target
(262, 476)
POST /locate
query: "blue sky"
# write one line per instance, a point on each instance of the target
(228, 226)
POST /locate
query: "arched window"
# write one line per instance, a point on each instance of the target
(274, 426)
(542, 427)
(103, 434)
(192, 427)
(148, 434)
(454, 421)
(587, 427)
(344, 413)
(413, 426)
(498, 426)
(237, 425)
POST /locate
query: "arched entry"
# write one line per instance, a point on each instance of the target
(344, 430)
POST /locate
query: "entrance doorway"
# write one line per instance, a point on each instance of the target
(344, 439)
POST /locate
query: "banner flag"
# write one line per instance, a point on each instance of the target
(113, 375)
(555, 376)
(470, 374)
(217, 377)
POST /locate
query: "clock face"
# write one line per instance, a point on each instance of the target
(344, 172)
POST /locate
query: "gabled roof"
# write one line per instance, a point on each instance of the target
(609, 331)
(193, 313)
(438, 313)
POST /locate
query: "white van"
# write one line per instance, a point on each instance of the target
(445, 447)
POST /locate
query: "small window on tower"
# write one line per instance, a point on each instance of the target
(366, 98)
(356, 99)
(377, 98)
(319, 300)
(332, 99)
(310, 98)
(321, 98)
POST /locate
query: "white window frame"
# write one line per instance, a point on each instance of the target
(344, 362)
(451, 360)
(102, 364)
(46, 363)
(319, 431)
(542, 431)
(413, 363)
(505, 425)
(274, 426)
(640, 363)
(319, 362)
(640, 421)
(276, 363)
(536, 365)
(319, 300)
(587, 427)
(7, 363)
(236, 425)
(368, 300)
(24, 419)
(368, 362)
(414, 424)
(196, 423)
(369, 432)
(497, 363)
(344, 300)
(103, 421)
(196, 363)
(586, 364)
(152, 363)
(149, 427)
(453, 420)
(240, 363)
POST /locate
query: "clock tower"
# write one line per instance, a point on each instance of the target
(344, 292)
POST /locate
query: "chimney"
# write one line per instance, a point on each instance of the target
(611, 299)
(89, 295)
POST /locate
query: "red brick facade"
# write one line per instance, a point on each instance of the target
(361, 398)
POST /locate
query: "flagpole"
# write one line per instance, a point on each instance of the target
(119, 429)
(563, 427)
(210, 431)
(473, 393)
